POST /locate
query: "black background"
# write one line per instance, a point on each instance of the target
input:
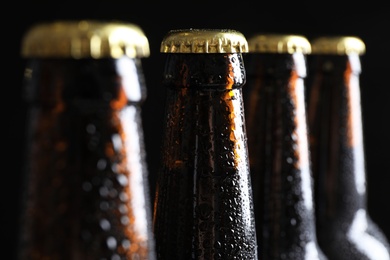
(370, 22)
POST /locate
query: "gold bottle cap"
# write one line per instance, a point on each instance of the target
(339, 45)
(279, 43)
(204, 41)
(85, 39)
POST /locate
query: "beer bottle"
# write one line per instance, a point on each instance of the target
(203, 203)
(278, 147)
(86, 191)
(345, 229)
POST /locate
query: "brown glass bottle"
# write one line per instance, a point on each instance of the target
(274, 100)
(203, 203)
(345, 229)
(86, 190)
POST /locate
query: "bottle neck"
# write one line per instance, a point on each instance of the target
(274, 95)
(113, 83)
(279, 152)
(205, 71)
(205, 97)
(335, 123)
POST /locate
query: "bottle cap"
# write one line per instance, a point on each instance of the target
(279, 43)
(204, 41)
(339, 45)
(85, 39)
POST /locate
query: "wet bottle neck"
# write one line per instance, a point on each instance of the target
(205, 95)
(335, 121)
(114, 83)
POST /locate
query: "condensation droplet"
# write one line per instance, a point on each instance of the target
(123, 196)
(294, 137)
(125, 220)
(115, 168)
(293, 221)
(91, 129)
(126, 243)
(122, 179)
(117, 142)
(103, 191)
(107, 182)
(104, 205)
(101, 164)
(87, 186)
(123, 208)
(115, 257)
(105, 224)
(111, 242)
(113, 193)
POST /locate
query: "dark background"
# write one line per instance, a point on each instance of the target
(306, 18)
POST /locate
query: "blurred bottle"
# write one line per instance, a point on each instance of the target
(203, 203)
(274, 100)
(345, 229)
(86, 191)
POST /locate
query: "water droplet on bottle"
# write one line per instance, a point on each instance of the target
(115, 168)
(105, 224)
(122, 179)
(123, 208)
(104, 205)
(87, 186)
(103, 191)
(116, 142)
(125, 220)
(126, 243)
(91, 129)
(293, 221)
(116, 257)
(111, 242)
(123, 196)
(101, 164)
